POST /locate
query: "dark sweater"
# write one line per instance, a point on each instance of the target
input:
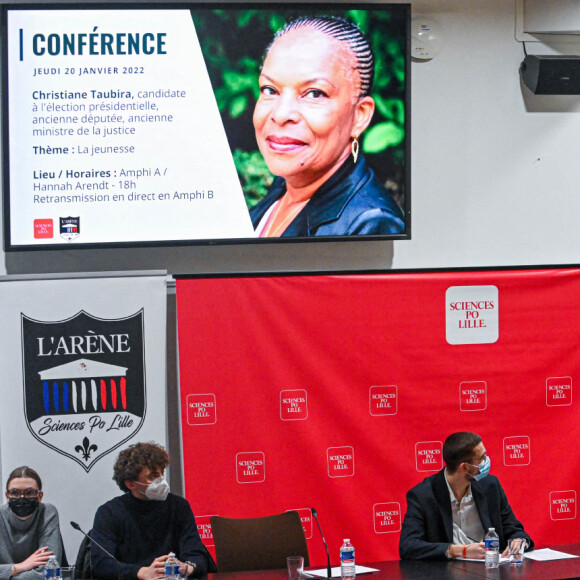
(137, 531)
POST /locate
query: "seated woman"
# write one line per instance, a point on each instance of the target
(29, 529)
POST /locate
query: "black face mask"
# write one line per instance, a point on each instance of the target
(23, 506)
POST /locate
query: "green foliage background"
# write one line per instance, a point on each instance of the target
(233, 42)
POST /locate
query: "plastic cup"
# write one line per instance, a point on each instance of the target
(295, 567)
(517, 547)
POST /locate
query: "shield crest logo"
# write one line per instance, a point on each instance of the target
(84, 383)
(70, 228)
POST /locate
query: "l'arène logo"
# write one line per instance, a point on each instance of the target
(70, 228)
(84, 383)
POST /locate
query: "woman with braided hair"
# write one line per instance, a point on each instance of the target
(314, 103)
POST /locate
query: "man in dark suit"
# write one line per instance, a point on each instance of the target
(449, 513)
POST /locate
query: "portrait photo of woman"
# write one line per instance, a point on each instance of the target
(312, 103)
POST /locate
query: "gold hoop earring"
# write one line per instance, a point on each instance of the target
(354, 149)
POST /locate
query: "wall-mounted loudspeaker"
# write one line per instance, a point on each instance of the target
(551, 75)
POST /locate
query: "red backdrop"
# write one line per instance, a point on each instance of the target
(336, 392)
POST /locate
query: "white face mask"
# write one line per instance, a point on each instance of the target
(157, 490)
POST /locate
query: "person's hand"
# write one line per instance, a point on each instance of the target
(38, 558)
(514, 547)
(156, 570)
(185, 569)
(476, 551)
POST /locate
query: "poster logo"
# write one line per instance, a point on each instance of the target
(340, 461)
(70, 228)
(387, 517)
(558, 391)
(429, 455)
(84, 383)
(43, 229)
(383, 400)
(516, 451)
(250, 467)
(473, 396)
(563, 505)
(293, 405)
(471, 314)
(204, 529)
(306, 519)
(201, 409)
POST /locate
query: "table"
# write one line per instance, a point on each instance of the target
(452, 570)
(389, 570)
(530, 569)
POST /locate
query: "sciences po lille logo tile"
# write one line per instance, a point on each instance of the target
(558, 391)
(383, 400)
(429, 455)
(251, 467)
(516, 451)
(387, 517)
(340, 461)
(293, 405)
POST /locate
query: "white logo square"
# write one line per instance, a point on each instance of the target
(471, 314)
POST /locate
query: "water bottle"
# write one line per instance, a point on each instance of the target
(52, 569)
(347, 567)
(172, 567)
(491, 549)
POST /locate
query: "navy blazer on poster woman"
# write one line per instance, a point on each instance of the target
(427, 528)
(352, 202)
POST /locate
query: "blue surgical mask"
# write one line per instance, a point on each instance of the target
(483, 469)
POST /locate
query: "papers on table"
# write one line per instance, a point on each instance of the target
(336, 571)
(546, 554)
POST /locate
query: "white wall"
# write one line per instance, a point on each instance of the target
(494, 170)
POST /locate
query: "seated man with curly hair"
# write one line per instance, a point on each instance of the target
(141, 527)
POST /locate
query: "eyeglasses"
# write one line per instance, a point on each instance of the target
(18, 493)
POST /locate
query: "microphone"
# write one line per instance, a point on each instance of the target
(77, 527)
(328, 571)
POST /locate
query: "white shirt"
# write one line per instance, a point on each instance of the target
(467, 528)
